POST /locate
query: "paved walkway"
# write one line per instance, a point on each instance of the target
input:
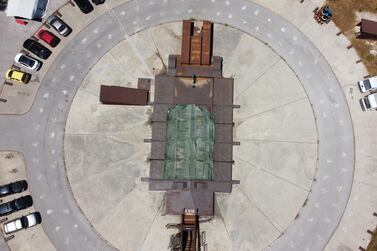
(41, 141)
(3, 245)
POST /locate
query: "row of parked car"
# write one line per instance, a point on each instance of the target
(38, 49)
(368, 102)
(16, 205)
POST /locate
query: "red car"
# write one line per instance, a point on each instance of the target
(48, 37)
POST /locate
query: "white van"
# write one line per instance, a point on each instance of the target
(30, 9)
(369, 102)
(368, 84)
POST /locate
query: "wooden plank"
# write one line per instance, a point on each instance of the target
(117, 95)
(186, 37)
(206, 43)
(196, 49)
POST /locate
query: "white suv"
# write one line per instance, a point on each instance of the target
(368, 84)
(22, 223)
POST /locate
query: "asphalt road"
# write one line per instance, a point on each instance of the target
(39, 133)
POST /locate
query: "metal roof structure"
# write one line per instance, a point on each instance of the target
(368, 29)
(190, 83)
(189, 143)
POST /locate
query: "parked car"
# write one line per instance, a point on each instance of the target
(369, 84)
(23, 222)
(28, 62)
(18, 76)
(59, 25)
(369, 102)
(15, 205)
(36, 48)
(84, 5)
(12, 188)
(97, 2)
(48, 37)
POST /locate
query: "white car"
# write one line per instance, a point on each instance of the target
(368, 84)
(22, 223)
(28, 62)
(369, 102)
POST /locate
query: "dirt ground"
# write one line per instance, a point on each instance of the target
(373, 243)
(345, 17)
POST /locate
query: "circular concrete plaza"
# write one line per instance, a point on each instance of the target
(275, 163)
(295, 158)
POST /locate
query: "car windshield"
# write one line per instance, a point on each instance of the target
(24, 222)
(61, 28)
(367, 84)
(366, 101)
(26, 61)
(4, 190)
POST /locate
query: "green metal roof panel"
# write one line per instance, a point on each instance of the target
(190, 134)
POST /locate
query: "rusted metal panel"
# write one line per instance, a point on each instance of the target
(368, 29)
(206, 43)
(186, 37)
(223, 152)
(222, 88)
(144, 83)
(177, 201)
(157, 169)
(116, 95)
(196, 49)
(207, 89)
(211, 71)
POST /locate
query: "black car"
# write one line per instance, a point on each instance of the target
(84, 5)
(36, 48)
(15, 205)
(97, 2)
(12, 188)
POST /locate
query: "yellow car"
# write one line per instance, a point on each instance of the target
(18, 76)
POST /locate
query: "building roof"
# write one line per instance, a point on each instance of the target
(369, 27)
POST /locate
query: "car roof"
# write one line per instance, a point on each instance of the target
(19, 183)
(35, 216)
(17, 74)
(25, 200)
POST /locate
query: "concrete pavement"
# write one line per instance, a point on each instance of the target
(335, 166)
(351, 232)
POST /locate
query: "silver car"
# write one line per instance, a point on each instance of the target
(59, 25)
